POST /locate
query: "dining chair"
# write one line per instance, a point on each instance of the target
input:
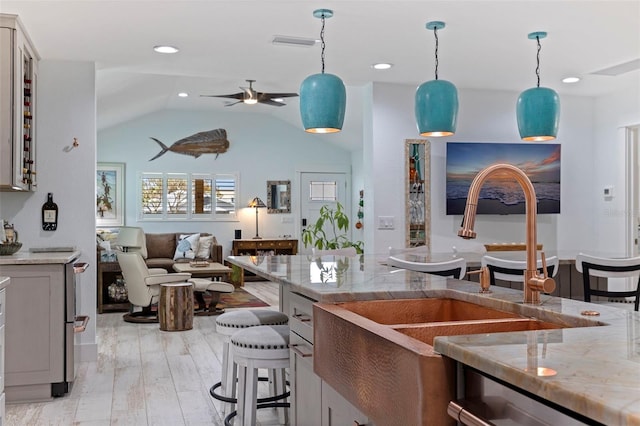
(592, 266)
(513, 270)
(455, 268)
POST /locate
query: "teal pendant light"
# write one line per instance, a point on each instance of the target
(436, 105)
(323, 97)
(538, 108)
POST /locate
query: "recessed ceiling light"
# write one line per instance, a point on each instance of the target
(165, 49)
(183, 94)
(381, 66)
(571, 79)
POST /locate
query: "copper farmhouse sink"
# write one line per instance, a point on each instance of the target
(378, 354)
(411, 311)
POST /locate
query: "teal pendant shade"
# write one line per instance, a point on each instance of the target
(323, 100)
(538, 114)
(436, 108)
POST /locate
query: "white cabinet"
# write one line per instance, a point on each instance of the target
(36, 334)
(313, 401)
(18, 90)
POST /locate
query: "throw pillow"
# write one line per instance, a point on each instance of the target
(204, 247)
(187, 247)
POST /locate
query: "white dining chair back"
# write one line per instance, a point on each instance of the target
(513, 270)
(455, 268)
(593, 266)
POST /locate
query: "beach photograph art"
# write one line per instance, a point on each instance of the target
(503, 195)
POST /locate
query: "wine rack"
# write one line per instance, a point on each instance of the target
(28, 153)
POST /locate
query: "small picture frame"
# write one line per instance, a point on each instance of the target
(110, 194)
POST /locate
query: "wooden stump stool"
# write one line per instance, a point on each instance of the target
(175, 307)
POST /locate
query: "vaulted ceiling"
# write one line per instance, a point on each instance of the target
(223, 43)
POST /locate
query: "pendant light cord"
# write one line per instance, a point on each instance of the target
(538, 60)
(322, 43)
(435, 33)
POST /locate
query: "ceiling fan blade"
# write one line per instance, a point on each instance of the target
(239, 95)
(271, 102)
(233, 103)
(278, 95)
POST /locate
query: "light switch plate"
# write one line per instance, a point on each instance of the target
(386, 222)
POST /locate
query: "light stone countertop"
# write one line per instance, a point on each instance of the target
(4, 281)
(28, 258)
(597, 361)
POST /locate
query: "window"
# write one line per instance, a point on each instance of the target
(187, 196)
(323, 191)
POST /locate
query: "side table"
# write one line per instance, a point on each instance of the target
(175, 307)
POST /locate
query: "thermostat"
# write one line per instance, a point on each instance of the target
(608, 191)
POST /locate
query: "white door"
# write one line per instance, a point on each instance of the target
(320, 189)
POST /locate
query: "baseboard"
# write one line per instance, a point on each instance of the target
(87, 352)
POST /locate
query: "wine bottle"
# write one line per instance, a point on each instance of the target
(49, 214)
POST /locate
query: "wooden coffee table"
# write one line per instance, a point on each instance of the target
(216, 271)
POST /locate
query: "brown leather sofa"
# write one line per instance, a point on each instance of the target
(161, 249)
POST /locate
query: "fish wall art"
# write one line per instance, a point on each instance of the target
(210, 142)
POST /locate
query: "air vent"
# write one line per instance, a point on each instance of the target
(619, 69)
(293, 41)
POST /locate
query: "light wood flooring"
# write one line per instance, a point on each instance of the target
(144, 376)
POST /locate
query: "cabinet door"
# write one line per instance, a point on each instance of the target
(6, 106)
(338, 411)
(34, 333)
(306, 386)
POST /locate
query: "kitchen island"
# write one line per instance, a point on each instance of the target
(597, 367)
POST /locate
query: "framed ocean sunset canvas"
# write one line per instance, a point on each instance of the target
(540, 162)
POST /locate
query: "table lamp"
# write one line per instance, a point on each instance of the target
(257, 203)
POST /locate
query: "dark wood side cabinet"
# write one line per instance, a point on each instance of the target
(257, 247)
(108, 272)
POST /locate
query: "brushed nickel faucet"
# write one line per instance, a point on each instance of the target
(533, 282)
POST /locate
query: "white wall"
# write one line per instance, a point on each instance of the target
(261, 148)
(613, 113)
(484, 116)
(66, 109)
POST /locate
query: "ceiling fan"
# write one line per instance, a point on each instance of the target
(250, 96)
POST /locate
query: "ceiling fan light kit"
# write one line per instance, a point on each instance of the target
(436, 101)
(538, 108)
(323, 97)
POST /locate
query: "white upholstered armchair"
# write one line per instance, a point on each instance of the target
(143, 285)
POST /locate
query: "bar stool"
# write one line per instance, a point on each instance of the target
(265, 346)
(228, 324)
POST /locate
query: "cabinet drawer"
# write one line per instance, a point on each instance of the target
(244, 245)
(301, 316)
(301, 349)
(3, 298)
(285, 244)
(262, 245)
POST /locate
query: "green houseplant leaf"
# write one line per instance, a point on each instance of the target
(334, 236)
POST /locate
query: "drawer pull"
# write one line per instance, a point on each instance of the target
(302, 317)
(299, 352)
(82, 327)
(465, 417)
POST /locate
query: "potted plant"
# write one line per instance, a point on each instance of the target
(334, 235)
